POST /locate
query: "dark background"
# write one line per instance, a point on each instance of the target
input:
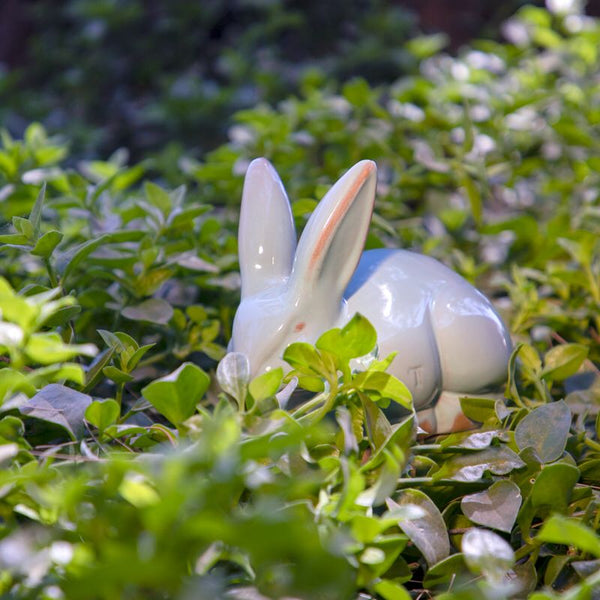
(461, 20)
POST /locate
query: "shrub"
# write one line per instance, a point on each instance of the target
(150, 473)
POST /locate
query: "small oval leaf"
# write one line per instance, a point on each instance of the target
(563, 361)
(487, 553)
(102, 413)
(233, 375)
(154, 310)
(497, 507)
(546, 430)
(428, 533)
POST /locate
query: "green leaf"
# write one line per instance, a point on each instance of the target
(24, 227)
(383, 385)
(35, 216)
(137, 356)
(175, 396)
(62, 316)
(357, 338)
(94, 373)
(47, 348)
(478, 409)
(400, 436)
(497, 507)
(389, 590)
(425, 46)
(530, 361)
(563, 361)
(14, 239)
(12, 381)
(474, 196)
(378, 426)
(581, 249)
(445, 571)
(498, 460)
(60, 405)
(154, 310)
(487, 553)
(185, 217)
(545, 429)
(57, 373)
(428, 533)
(571, 532)
(233, 375)
(117, 375)
(304, 358)
(158, 197)
(12, 429)
(47, 243)
(554, 486)
(357, 92)
(118, 343)
(15, 308)
(102, 413)
(138, 491)
(71, 261)
(383, 364)
(387, 478)
(266, 385)
(311, 383)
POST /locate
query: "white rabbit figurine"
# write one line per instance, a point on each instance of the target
(449, 339)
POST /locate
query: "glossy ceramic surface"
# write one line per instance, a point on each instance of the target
(449, 339)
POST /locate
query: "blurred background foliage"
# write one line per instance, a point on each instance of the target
(111, 73)
(118, 216)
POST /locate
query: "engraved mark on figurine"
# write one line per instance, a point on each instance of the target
(416, 375)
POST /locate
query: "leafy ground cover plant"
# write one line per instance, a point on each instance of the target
(137, 465)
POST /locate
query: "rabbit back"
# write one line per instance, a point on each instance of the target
(447, 334)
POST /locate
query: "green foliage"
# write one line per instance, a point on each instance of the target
(136, 465)
(146, 76)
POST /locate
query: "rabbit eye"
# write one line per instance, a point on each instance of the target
(300, 326)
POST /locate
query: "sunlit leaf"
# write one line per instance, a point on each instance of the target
(497, 507)
(428, 533)
(472, 466)
(175, 395)
(569, 531)
(102, 413)
(154, 310)
(233, 375)
(487, 553)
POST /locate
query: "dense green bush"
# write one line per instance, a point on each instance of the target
(142, 74)
(148, 473)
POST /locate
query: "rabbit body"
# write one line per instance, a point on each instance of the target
(447, 334)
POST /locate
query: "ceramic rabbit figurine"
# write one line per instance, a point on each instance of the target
(449, 339)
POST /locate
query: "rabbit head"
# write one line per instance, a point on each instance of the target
(294, 293)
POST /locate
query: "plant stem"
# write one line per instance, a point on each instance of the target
(51, 273)
(418, 448)
(406, 482)
(119, 394)
(592, 444)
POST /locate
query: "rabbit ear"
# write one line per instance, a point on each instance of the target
(266, 236)
(333, 239)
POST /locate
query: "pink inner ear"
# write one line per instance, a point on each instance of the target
(338, 214)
